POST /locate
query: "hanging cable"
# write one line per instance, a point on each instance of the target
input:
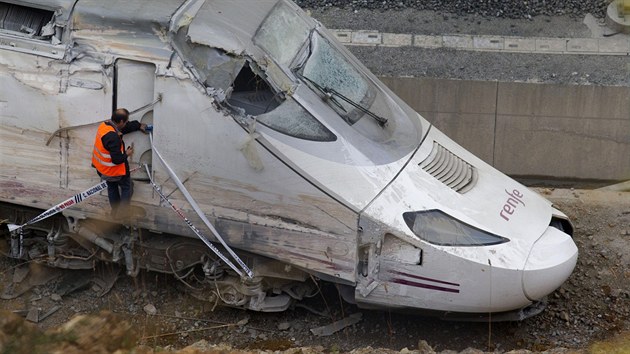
(199, 212)
(194, 229)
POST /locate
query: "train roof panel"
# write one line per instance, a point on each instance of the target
(137, 17)
(229, 25)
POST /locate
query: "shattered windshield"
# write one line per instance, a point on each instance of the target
(327, 68)
(282, 34)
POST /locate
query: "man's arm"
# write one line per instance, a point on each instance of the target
(112, 143)
(132, 126)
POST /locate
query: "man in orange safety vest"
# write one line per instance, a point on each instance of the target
(110, 158)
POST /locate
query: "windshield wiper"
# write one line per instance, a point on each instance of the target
(328, 96)
(331, 93)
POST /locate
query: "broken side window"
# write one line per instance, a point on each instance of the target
(214, 67)
(252, 94)
(282, 33)
(26, 21)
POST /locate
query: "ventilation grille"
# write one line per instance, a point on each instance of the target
(449, 169)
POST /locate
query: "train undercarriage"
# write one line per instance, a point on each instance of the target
(66, 242)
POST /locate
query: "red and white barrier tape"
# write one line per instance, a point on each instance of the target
(76, 199)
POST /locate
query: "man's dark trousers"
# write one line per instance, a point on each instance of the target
(120, 197)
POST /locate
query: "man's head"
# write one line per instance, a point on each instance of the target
(120, 117)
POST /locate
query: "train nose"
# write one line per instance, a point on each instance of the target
(550, 262)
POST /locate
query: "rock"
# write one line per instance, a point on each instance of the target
(615, 293)
(283, 326)
(150, 309)
(55, 297)
(424, 347)
(242, 322)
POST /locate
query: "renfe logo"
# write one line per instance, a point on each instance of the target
(510, 205)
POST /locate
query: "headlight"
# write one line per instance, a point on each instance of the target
(438, 228)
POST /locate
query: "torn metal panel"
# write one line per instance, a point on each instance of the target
(214, 67)
(128, 28)
(229, 25)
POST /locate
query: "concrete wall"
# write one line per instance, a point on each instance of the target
(526, 129)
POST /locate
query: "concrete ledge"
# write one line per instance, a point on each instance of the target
(420, 40)
(552, 45)
(520, 44)
(614, 45)
(397, 40)
(508, 44)
(460, 42)
(343, 36)
(583, 45)
(366, 38)
(488, 42)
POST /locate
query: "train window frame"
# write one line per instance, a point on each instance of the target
(255, 96)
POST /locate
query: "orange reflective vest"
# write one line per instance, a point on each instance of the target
(101, 159)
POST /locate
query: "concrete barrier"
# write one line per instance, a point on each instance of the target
(530, 130)
(508, 44)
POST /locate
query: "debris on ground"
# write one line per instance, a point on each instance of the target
(337, 325)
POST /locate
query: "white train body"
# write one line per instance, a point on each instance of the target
(248, 109)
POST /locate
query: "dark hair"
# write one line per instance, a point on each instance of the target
(120, 115)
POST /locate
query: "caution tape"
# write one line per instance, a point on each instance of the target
(194, 229)
(198, 210)
(78, 198)
(74, 200)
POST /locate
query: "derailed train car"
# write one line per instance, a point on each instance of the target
(304, 162)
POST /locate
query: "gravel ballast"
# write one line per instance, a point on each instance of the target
(494, 8)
